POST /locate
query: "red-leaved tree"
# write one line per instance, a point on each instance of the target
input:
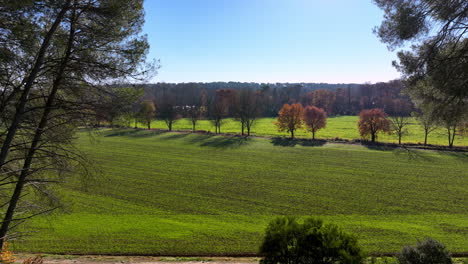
(290, 118)
(373, 121)
(314, 118)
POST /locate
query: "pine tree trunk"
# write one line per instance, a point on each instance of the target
(29, 83)
(8, 217)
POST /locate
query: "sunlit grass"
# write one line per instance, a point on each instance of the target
(344, 127)
(188, 194)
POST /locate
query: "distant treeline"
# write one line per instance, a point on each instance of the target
(335, 99)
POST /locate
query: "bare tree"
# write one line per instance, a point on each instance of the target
(427, 122)
(247, 108)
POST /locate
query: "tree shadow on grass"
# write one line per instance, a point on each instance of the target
(288, 142)
(224, 142)
(414, 154)
(136, 133)
(378, 145)
(456, 154)
(177, 136)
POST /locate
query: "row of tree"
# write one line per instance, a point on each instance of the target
(335, 99)
(245, 106)
(371, 122)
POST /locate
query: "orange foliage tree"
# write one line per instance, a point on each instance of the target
(373, 121)
(314, 118)
(290, 118)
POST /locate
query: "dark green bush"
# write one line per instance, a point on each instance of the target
(289, 242)
(428, 251)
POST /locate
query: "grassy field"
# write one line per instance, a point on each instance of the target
(186, 194)
(344, 127)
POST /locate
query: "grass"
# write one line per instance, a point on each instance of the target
(194, 194)
(344, 127)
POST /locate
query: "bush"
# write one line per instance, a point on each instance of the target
(429, 251)
(287, 241)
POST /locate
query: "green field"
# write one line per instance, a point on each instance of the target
(176, 193)
(344, 127)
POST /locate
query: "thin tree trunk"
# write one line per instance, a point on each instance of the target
(373, 137)
(313, 135)
(449, 137)
(19, 112)
(292, 134)
(7, 219)
(425, 137)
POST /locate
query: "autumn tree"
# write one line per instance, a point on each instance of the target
(315, 119)
(247, 108)
(373, 121)
(290, 118)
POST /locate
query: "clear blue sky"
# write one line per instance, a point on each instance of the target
(267, 41)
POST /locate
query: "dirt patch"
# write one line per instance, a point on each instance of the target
(67, 259)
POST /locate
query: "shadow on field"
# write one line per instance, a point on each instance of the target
(379, 146)
(137, 133)
(287, 142)
(225, 142)
(458, 155)
(177, 136)
(414, 154)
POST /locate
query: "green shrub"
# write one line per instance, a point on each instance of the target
(428, 251)
(287, 241)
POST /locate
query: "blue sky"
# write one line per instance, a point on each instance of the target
(267, 41)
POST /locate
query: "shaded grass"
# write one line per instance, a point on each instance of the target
(344, 127)
(191, 194)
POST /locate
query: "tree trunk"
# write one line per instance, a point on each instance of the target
(373, 137)
(292, 134)
(399, 139)
(193, 126)
(28, 85)
(149, 125)
(313, 135)
(451, 136)
(169, 125)
(242, 127)
(425, 137)
(8, 218)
